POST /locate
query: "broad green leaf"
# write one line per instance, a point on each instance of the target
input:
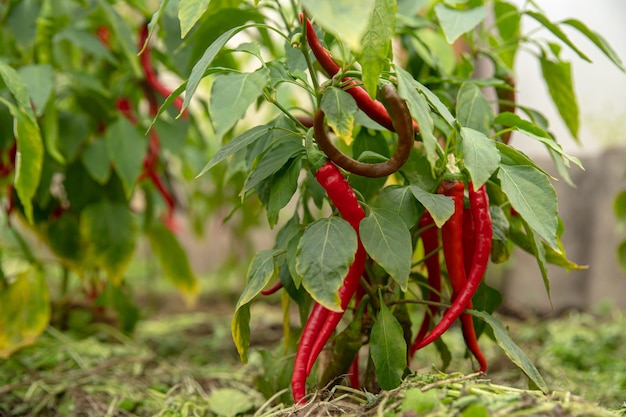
(532, 195)
(598, 40)
(230, 402)
(235, 145)
(556, 31)
(401, 201)
(16, 86)
(508, 22)
(29, 158)
(25, 302)
(173, 260)
(96, 160)
(457, 22)
(283, 188)
(261, 271)
(416, 102)
(619, 205)
(432, 98)
(346, 19)
(512, 351)
(388, 349)
(120, 299)
(387, 240)
(376, 42)
(63, 237)
(472, 108)
(476, 410)
(480, 155)
(111, 232)
(512, 156)
(189, 12)
(51, 137)
(433, 48)
(439, 206)
(339, 108)
(240, 330)
(39, 80)
(127, 148)
(324, 255)
(232, 94)
(558, 78)
(274, 159)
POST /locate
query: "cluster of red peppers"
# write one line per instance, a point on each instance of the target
(466, 236)
(151, 85)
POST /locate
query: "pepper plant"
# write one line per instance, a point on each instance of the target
(361, 127)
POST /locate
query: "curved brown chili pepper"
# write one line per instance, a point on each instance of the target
(507, 99)
(403, 124)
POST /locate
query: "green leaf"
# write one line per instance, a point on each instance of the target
(154, 20)
(112, 233)
(122, 33)
(558, 78)
(324, 255)
(619, 205)
(240, 330)
(512, 351)
(127, 149)
(476, 410)
(387, 240)
(189, 12)
(232, 94)
(235, 145)
(508, 20)
(480, 155)
(388, 349)
(457, 22)
(419, 401)
(598, 40)
(173, 260)
(51, 131)
(261, 271)
(472, 108)
(39, 80)
(16, 86)
(275, 158)
(96, 161)
(339, 108)
(401, 201)
(532, 195)
(418, 106)
(229, 402)
(431, 97)
(283, 188)
(334, 16)
(439, 206)
(25, 302)
(376, 41)
(556, 31)
(29, 159)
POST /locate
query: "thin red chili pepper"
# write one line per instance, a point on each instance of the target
(430, 239)
(315, 331)
(469, 239)
(374, 109)
(354, 372)
(150, 74)
(479, 204)
(402, 121)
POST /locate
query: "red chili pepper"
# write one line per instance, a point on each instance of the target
(150, 74)
(273, 289)
(430, 239)
(374, 109)
(315, 331)
(479, 204)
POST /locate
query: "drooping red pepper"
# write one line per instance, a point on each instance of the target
(344, 199)
(374, 109)
(430, 239)
(479, 205)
